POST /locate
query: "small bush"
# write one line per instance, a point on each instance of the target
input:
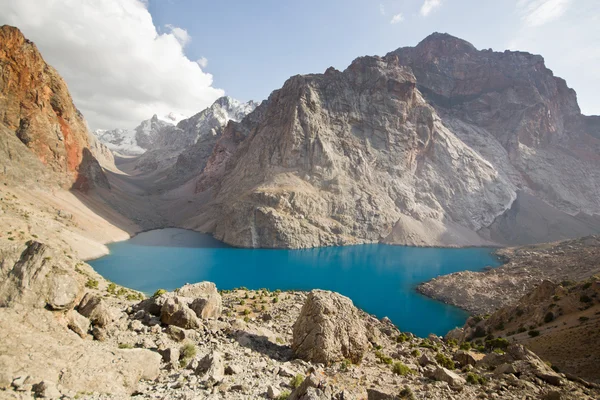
(498, 343)
(383, 358)
(585, 298)
(465, 346)
(296, 381)
(246, 319)
(92, 284)
(549, 317)
(407, 394)
(444, 361)
(521, 329)
(401, 338)
(187, 352)
(345, 365)
(452, 342)
(587, 285)
(475, 379)
(415, 353)
(520, 312)
(583, 319)
(275, 299)
(125, 346)
(111, 288)
(242, 302)
(401, 369)
(284, 395)
(426, 343)
(567, 283)
(159, 292)
(246, 312)
(556, 297)
(533, 333)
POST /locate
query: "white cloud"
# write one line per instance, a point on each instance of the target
(539, 12)
(202, 62)
(382, 9)
(182, 36)
(397, 18)
(119, 68)
(429, 6)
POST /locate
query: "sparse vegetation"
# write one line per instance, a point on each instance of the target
(465, 346)
(407, 393)
(497, 343)
(401, 369)
(475, 379)
(549, 317)
(384, 358)
(186, 353)
(159, 292)
(345, 365)
(444, 361)
(533, 333)
(585, 298)
(296, 381)
(415, 353)
(92, 284)
(284, 395)
(401, 338)
(125, 346)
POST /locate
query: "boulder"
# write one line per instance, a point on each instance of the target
(41, 278)
(211, 368)
(426, 359)
(78, 323)
(329, 329)
(273, 392)
(466, 358)
(94, 308)
(46, 390)
(445, 375)
(374, 394)
(176, 312)
(505, 368)
(312, 388)
(457, 334)
(206, 302)
(170, 355)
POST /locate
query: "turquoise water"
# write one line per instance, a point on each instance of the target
(380, 279)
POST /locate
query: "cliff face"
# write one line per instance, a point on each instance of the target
(428, 145)
(36, 106)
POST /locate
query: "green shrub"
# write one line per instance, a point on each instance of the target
(407, 394)
(498, 343)
(242, 302)
(246, 312)
(345, 365)
(444, 361)
(549, 317)
(556, 297)
(246, 319)
(475, 379)
(585, 298)
(187, 351)
(401, 338)
(520, 312)
(427, 344)
(452, 342)
(92, 284)
(284, 395)
(111, 288)
(415, 353)
(465, 346)
(383, 358)
(587, 285)
(297, 381)
(521, 329)
(275, 299)
(533, 333)
(125, 346)
(583, 319)
(401, 369)
(159, 292)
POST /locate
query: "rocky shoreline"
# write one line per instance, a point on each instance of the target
(525, 268)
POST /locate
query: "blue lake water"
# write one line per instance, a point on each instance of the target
(380, 279)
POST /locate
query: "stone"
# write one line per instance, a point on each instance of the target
(78, 323)
(329, 329)
(273, 392)
(233, 369)
(176, 312)
(211, 368)
(170, 355)
(206, 302)
(46, 390)
(100, 334)
(505, 368)
(40, 278)
(457, 334)
(176, 333)
(426, 359)
(374, 394)
(136, 326)
(466, 358)
(94, 308)
(451, 378)
(551, 378)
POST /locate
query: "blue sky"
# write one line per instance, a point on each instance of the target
(125, 60)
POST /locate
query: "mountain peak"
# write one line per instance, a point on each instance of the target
(445, 41)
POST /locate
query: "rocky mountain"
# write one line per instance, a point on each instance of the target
(36, 108)
(437, 145)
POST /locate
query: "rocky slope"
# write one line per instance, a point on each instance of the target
(526, 267)
(559, 321)
(88, 338)
(36, 108)
(440, 144)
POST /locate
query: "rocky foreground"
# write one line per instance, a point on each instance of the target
(67, 333)
(525, 268)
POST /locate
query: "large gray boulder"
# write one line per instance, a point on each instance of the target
(96, 309)
(206, 301)
(329, 329)
(40, 278)
(176, 312)
(211, 368)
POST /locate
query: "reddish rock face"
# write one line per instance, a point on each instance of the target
(36, 105)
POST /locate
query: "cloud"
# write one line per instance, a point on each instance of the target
(539, 12)
(382, 9)
(397, 18)
(182, 36)
(429, 6)
(202, 62)
(119, 67)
